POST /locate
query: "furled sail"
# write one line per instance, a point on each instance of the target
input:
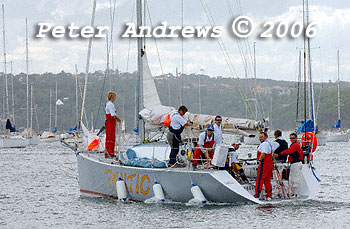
(155, 117)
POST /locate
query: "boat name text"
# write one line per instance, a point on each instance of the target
(133, 180)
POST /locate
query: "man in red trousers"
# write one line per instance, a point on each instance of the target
(265, 162)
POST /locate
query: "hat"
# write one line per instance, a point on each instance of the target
(238, 143)
(210, 127)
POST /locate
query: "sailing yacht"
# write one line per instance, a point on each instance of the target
(31, 137)
(140, 173)
(309, 123)
(338, 135)
(11, 139)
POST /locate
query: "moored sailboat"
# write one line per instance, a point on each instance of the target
(11, 139)
(338, 135)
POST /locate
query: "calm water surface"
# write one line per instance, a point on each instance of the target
(39, 189)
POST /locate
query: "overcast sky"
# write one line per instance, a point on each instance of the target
(276, 59)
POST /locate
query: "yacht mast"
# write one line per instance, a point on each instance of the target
(27, 71)
(199, 94)
(56, 97)
(31, 107)
(50, 123)
(76, 94)
(338, 88)
(182, 56)
(304, 54)
(179, 84)
(5, 63)
(87, 65)
(312, 105)
(256, 100)
(140, 53)
(298, 87)
(12, 97)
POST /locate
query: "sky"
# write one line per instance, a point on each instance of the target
(275, 58)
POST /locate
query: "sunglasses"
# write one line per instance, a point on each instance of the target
(219, 120)
(292, 138)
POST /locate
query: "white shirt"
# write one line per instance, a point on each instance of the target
(201, 140)
(110, 109)
(275, 144)
(233, 154)
(265, 147)
(218, 133)
(177, 121)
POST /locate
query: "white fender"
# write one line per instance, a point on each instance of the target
(198, 194)
(121, 189)
(158, 191)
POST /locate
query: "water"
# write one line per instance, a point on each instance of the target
(39, 189)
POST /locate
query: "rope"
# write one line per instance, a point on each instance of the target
(109, 48)
(313, 172)
(250, 59)
(132, 19)
(112, 17)
(182, 53)
(155, 41)
(279, 182)
(226, 55)
(101, 96)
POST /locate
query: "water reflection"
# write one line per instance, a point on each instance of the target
(265, 210)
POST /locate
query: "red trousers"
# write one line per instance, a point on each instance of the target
(197, 152)
(264, 178)
(110, 125)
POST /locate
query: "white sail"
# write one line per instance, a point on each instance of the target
(150, 95)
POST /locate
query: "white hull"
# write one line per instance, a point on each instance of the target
(33, 140)
(98, 176)
(321, 139)
(49, 137)
(338, 138)
(55, 139)
(12, 142)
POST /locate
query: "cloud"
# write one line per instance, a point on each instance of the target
(274, 58)
(59, 13)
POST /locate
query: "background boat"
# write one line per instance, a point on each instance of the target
(338, 135)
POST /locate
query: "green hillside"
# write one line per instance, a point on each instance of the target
(277, 100)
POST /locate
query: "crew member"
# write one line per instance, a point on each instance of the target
(176, 127)
(233, 159)
(295, 157)
(9, 126)
(265, 162)
(110, 124)
(205, 147)
(217, 129)
(278, 146)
